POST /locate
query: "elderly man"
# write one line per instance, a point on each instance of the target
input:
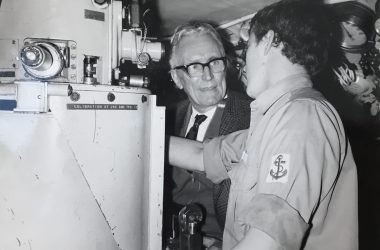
(294, 181)
(198, 67)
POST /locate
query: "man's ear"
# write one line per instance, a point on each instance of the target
(176, 79)
(268, 39)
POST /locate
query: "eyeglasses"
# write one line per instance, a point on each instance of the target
(195, 69)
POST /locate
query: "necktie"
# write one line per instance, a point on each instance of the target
(193, 131)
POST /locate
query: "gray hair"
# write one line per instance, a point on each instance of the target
(191, 28)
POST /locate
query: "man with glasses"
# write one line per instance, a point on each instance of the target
(199, 67)
(293, 176)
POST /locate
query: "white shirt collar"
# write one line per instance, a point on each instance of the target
(204, 125)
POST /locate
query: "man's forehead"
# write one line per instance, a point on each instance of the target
(198, 47)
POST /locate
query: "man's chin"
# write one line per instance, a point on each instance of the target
(212, 101)
(208, 104)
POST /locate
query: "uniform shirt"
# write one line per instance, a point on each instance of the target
(293, 175)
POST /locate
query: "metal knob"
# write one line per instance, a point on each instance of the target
(35, 57)
(42, 60)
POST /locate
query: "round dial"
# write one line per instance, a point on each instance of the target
(353, 37)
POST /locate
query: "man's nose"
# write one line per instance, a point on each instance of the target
(207, 74)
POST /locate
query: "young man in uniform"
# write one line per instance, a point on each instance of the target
(294, 181)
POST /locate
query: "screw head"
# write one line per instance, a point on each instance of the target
(111, 97)
(75, 96)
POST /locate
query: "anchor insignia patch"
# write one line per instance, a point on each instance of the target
(279, 170)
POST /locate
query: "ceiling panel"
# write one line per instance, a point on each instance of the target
(175, 12)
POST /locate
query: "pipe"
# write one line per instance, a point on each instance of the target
(236, 21)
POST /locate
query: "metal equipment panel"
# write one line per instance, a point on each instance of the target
(88, 174)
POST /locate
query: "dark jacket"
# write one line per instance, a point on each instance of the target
(232, 114)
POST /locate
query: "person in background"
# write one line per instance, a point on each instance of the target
(293, 176)
(198, 67)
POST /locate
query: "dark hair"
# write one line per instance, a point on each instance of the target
(302, 26)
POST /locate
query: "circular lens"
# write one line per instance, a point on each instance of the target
(31, 56)
(42, 60)
(195, 69)
(217, 65)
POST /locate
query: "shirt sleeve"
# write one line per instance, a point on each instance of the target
(298, 167)
(222, 153)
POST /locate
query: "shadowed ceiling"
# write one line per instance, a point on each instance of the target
(175, 12)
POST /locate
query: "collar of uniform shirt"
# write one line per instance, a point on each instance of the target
(267, 98)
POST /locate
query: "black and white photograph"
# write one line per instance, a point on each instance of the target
(189, 124)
